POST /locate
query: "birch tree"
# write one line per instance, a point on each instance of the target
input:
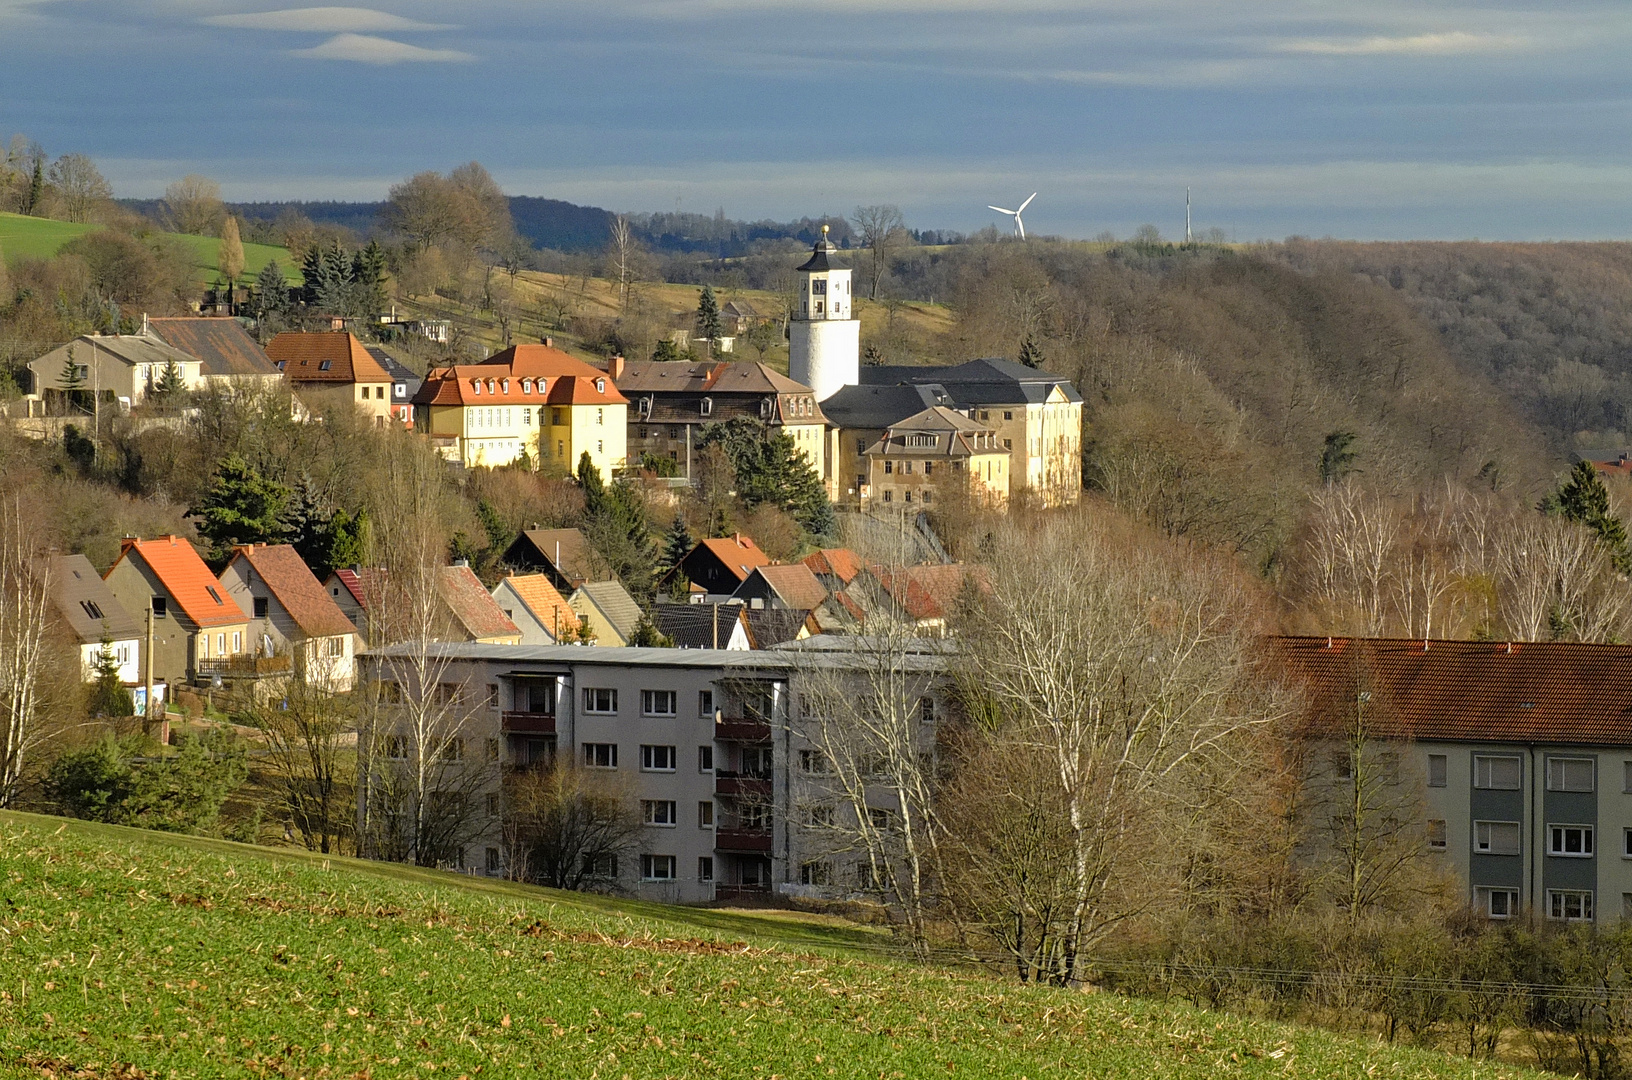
(25, 599)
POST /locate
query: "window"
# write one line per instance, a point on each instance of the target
(492, 804)
(1496, 773)
(814, 762)
(880, 819)
(492, 749)
(600, 700)
(161, 607)
(213, 594)
(659, 703)
(705, 703)
(1496, 837)
(601, 755)
(1008, 414)
(816, 873)
(658, 812)
(705, 814)
(929, 468)
(221, 643)
(861, 448)
(492, 860)
(926, 710)
(1008, 444)
(889, 468)
(1437, 770)
(600, 388)
(601, 865)
(1570, 905)
(657, 868)
(1496, 903)
(818, 817)
(906, 467)
(657, 759)
(237, 641)
(453, 750)
(1626, 780)
(705, 868)
(889, 496)
(1569, 774)
(92, 610)
(261, 604)
(1436, 834)
(1570, 841)
(754, 816)
(705, 759)
(325, 365)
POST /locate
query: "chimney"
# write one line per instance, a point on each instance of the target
(549, 343)
(462, 562)
(614, 368)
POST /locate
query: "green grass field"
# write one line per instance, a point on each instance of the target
(126, 954)
(39, 238)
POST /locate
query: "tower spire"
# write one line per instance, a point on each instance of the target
(1187, 214)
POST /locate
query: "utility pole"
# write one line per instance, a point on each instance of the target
(1187, 238)
(147, 656)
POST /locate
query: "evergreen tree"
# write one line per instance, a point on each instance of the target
(72, 381)
(36, 186)
(665, 351)
(648, 636)
(1030, 354)
(1584, 499)
(347, 538)
(304, 522)
(271, 291)
(170, 384)
(708, 317)
(770, 469)
(616, 525)
(240, 506)
(368, 279)
(589, 481)
(677, 544)
(79, 447)
(1337, 457)
(109, 696)
(329, 283)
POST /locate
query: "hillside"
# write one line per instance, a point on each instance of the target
(40, 238)
(126, 954)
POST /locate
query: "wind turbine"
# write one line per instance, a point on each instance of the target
(1019, 226)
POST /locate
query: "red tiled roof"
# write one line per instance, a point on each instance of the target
(302, 356)
(300, 593)
(185, 578)
(353, 584)
(512, 377)
(924, 592)
(738, 554)
(472, 605)
(841, 563)
(1551, 692)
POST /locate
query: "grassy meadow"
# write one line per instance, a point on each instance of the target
(125, 954)
(40, 238)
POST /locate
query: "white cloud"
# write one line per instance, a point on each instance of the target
(1456, 41)
(368, 49)
(323, 20)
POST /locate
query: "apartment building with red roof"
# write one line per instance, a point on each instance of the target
(332, 370)
(531, 402)
(197, 628)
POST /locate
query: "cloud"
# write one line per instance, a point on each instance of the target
(323, 20)
(368, 49)
(1457, 41)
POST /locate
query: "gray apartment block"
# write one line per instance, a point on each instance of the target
(707, 741)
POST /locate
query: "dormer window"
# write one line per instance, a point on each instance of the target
(504, 386)
(706, 407)
(490, 386)
(475, 386)
(526, 386)
(600, 386)
(543, 384)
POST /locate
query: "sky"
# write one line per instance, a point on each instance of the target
(1383, 119)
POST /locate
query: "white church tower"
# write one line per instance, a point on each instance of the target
(824, 336)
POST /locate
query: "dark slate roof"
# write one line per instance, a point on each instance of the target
(987, 381)
(222, 345)
(1549, 692)
(770, 627)
(692, 626)
(394, 367)
(87, 603)
(879, 406)
(818, 256)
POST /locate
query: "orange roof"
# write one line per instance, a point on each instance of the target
(924, 592)
(328, 357)
(1550, 692)
(543, 601)
(521, 375)
(737, 553)
(185, 578)
(293, 583)
(841, 563)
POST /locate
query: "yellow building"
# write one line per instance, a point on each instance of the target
(529, 400)
(935, 453)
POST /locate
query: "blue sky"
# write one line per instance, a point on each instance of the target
(1383, 119)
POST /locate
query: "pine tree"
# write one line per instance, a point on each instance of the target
(73, 382)
(1337, 457)
(240, 506)
(1030, 354)
(677, 544)
(109, 697)
(170, 382)
(36, 186)
(589, 481)
(1584, 499)
(708, 317)
(271, 291)
(229, 255)
(665, 351)
(368, 279)
(347, 538)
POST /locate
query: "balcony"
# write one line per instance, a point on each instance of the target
(244, 666)
(528, 723)
(747, 841)
(742, 729)
(742, 784)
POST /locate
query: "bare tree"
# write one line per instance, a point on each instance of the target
(1351, 545)
(193, 205)
(25, 591)
(308, 736)
(882, 229)
(1130, 669)
(567, 827)
(622, 254)
(78, 185)
(1556, 581)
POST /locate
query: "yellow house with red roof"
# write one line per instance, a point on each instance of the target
(529, 401)
(197, 627)
(332, 370)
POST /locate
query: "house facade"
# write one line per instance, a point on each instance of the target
(198, 632)
(126, 366)
(529, 401)
(227, 354)
(93, 614)
(1515, 757)
(935, 453)
(332, 370)
(291, 614)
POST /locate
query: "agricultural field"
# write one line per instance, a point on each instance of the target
(126, 954)
(40, 238)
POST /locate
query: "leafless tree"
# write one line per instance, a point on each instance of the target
(1129, 668)
(78, 186)
(881, 230)
(25, 591)
(866, 716)
(308, 737)
(567, 827)
(1351, 545)
(622, 256)
(193, 205)
(1556, 581)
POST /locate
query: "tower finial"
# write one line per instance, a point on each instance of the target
(824, 230)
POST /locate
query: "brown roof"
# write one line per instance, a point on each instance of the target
(222, 345)
(86, 602)
(737, 553)
(543, 601)
(472, 606)
(707, 376)
(955, 435)
(841, 563)
(576, 563)
(794, 584)
(302, 358)
(520, 375)
(296, 588)
(185, 578)
(923, 592)
(1468, 691)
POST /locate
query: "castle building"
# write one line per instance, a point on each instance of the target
(824, 336)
